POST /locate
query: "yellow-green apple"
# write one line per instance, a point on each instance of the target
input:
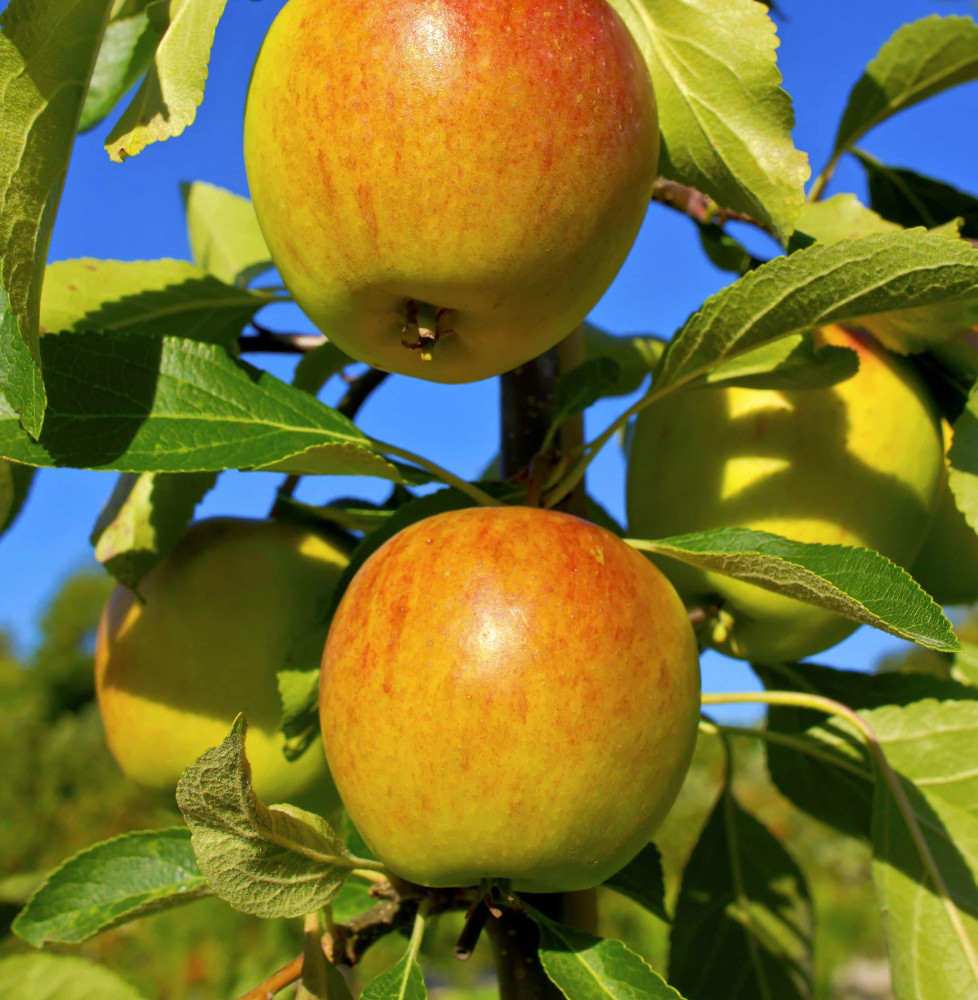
(947, 566)
(448, 187)
(220, 616)
(508, 693)
(856, 463)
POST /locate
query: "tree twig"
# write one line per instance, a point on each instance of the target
(701, 207)
(267, 341)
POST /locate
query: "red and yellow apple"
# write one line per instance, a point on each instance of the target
(856, 463)
(508, 693)
(448, 187)
(219, 618)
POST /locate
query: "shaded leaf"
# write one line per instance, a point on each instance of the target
(743, 926)
(857, 583)
(152, 297)
(47, 53)
(834, 781)
(119, 880)
(636, 355)
(850, 281)
(225, 239)
(168, 99)
(584, 385)
(725, 120)
(919, 60)
(724, 251)
(962, 476)
(134, 404)
(789, 363)
(318, 366)
(912, 199)
(15, 483)
(641, 880)
(144, 518)
(126, 54)
(299, 692)
(270, 862)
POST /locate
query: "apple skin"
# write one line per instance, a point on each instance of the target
(857, 463)
(220, 616)
(508, 693)
(947, 566)
(491, 159)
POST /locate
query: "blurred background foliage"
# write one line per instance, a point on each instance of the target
(61, 791)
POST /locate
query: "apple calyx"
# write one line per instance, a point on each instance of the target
(424, 326)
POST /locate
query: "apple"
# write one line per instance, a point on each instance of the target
(508, 693)
(856, 463)
(219, 617)
(947, 566)
(447, 188)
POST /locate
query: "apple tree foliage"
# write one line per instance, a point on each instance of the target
(140, 372)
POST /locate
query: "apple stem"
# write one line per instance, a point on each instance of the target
(424, 326)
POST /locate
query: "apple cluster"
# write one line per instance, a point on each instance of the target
(506, 692)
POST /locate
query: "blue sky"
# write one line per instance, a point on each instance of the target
(133, 211)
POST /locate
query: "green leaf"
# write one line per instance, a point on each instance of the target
(270, 862)
(919, 60)
(143, 519)
(60, 977)
(932, 941)
(168, 99)
(583, 966)
(857, 583)
(402, 981)
(112, 883)
(841, 217)
(789, 363)
(743, 925)
(318, 366)
(725, 120)
(850, 281)
(47, 53)
(224, 235)
(636, 355)
(126, 54)
(833, 780)
(299, 693)
(152, 297)
(15, 483)
(132, 403)
(912, 199)
(641, 880)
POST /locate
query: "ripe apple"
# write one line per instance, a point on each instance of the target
(857, 463)
(947, 566)
(222, 613)
(447, 188)
(508, 692)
